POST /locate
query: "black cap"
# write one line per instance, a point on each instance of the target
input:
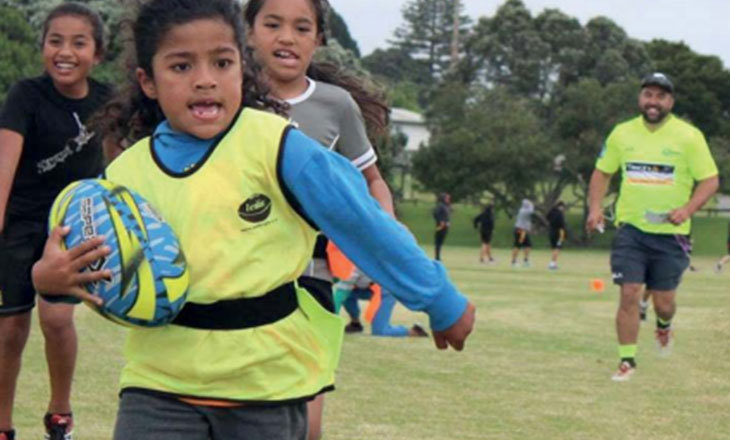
(658, 79)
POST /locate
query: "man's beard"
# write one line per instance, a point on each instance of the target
(660, 117)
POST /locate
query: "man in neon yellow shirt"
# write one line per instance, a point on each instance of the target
(661, 157)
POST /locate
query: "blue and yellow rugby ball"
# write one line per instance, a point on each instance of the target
(150, 279)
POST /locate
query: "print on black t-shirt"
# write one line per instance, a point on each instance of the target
(58, 148)
(74, 145)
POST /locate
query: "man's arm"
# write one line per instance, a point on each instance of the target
(596, 192)
(702, 193)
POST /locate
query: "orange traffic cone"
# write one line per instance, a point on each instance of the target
(597, 285)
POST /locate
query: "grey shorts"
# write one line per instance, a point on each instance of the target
(657, 260)
(144, 416)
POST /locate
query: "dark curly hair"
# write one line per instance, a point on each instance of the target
(131, 115)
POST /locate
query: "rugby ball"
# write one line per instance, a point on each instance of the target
(149, 281)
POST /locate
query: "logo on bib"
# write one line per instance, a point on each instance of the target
(255, 209)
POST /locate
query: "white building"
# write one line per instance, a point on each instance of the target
(411, 124)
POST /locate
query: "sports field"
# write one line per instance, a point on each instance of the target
(536, 367)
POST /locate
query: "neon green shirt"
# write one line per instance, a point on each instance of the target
(659, 169)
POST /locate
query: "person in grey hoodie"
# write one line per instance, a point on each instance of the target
(523, 226)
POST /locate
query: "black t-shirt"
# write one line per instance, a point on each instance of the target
(57, 146)
(442, 213)
(485, 221)
(556, 218)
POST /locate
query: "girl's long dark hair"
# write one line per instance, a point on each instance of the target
(131, 115)
(371, 101)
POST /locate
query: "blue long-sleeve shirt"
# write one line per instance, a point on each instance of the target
(334, 195)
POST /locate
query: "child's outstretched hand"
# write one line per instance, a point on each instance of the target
(456, 335)
(58, 271)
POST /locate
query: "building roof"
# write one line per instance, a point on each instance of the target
(403, 116)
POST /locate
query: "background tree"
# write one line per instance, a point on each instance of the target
(340, 32)
(720, 147)
(702, 83)
(499, 146)
(509, 50)
(395, 65)
(427, 31)
(18, 49)
(421, 51)
(611, 56)
(566, 43)
(407, 79)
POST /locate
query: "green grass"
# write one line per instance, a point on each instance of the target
(536, 367)
(709, 233)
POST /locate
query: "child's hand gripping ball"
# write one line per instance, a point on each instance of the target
(149, 276)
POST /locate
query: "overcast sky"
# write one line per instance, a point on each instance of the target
(702, 24)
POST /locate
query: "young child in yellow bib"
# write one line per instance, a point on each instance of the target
(208, 157)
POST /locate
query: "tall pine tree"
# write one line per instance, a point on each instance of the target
(427, 32)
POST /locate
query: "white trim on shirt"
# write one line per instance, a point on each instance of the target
(366, 160)
(304, 96)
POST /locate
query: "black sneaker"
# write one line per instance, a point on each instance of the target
(354, 327)
(642, 311)
(58, 426)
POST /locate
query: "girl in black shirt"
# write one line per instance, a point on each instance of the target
(44, 145)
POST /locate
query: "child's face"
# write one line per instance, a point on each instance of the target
(197, 77)
(69, 52)
(284, 37)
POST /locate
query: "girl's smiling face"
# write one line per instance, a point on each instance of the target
(284, 36)
(197, 77)
(69, 54)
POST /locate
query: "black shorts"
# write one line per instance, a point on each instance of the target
(657, 260)
(557, 238)
(21, 245)
(486, 236)
(522, 239)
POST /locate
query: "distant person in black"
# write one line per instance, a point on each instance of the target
(442, 216)
(485, 223)
(558, 232)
